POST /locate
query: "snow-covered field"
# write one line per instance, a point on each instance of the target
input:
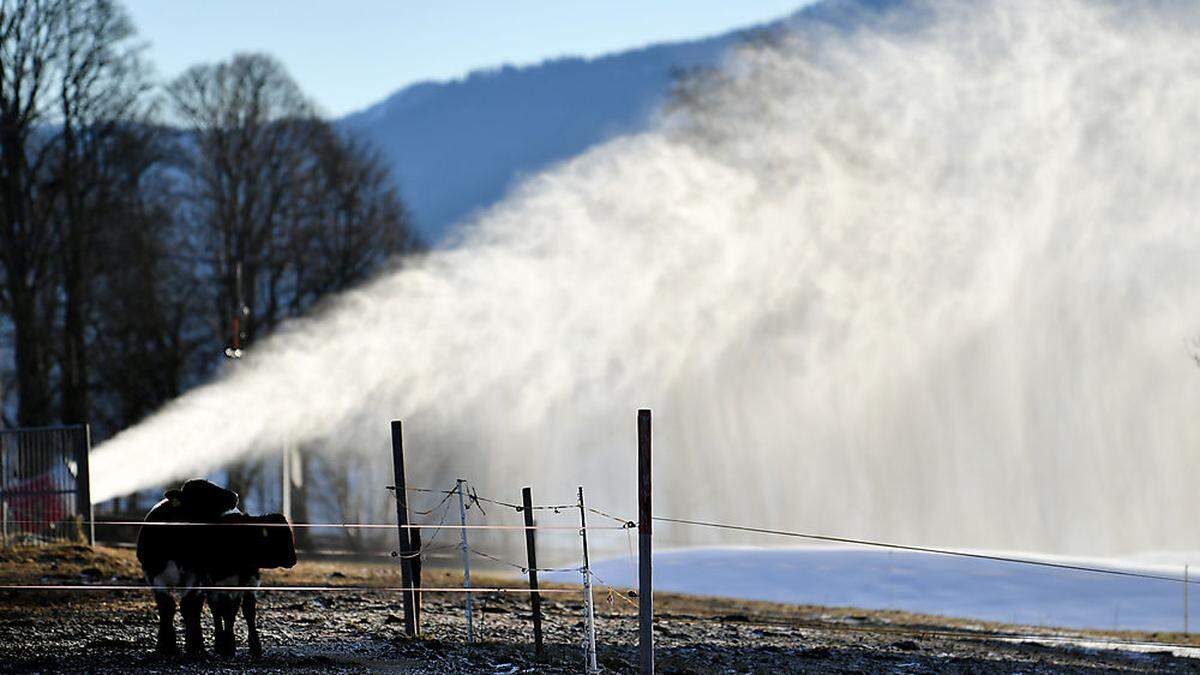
(925, 583)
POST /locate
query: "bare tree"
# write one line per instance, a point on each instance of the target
(30, 32)
(354, 221)
(127, 247)
(250, 126)
(289, 208)
(102, 101)
(147, 335)
(69, 76)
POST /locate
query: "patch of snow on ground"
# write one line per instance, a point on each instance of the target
(924, 583)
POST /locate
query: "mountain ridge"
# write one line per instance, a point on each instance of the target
(457, 146)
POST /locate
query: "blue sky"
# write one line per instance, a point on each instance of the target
(348, 55)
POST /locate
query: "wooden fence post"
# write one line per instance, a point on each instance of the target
(406, 551)
(535, 598)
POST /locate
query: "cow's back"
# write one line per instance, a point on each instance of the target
(192, 543)
(159, 545)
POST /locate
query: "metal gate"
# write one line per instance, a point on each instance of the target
(44, 486)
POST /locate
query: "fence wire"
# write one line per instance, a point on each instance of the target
(926, 549)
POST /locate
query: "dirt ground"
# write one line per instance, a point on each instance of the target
(362, 630)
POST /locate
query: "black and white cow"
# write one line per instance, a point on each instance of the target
(229, 550)
(170, 557)
(251, 543)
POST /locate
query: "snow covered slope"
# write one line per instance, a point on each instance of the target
(924, 583)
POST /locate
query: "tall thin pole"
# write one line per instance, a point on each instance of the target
(535, 598)
(406, 552)
(588, 603)
(83, 496)
(645, 513)
(414, 540)
(466, 552)
(1185, 600)
(285, 486)
(4, 486)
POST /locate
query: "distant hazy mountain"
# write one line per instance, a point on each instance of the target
(457, 146)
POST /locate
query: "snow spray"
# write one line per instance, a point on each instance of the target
(927, 273)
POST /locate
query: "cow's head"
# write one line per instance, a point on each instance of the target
(205, 498)
(276, 547)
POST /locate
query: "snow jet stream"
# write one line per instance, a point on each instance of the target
(930, 278)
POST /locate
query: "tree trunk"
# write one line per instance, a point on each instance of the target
(73, 240)
(75, 398)
(33, 404)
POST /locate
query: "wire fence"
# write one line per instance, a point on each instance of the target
(925, 549)
(626, 524)
(484, 509)
(354, 589)
(25, 507)
(476, 502)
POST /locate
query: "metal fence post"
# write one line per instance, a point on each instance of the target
(588, 603)
(83, 482)
(285, 485)
(466, 552)
(645, 514)
(3, 488)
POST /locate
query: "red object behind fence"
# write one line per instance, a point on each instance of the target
(36, 504)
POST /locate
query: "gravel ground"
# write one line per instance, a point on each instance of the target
(360, 631)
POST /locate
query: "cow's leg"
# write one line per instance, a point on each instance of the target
(165, 643)
(224, 611)
(190, 608)
(232, 617)
(249, 611)
(218, 617)
(230, 637)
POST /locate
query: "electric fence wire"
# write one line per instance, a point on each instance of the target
(473, 496)
(949, 633)
(977, 634)
(387, 589)
(524, 569)
(625, 522)
(428, 547)
(926, 549)
(681, 521)
(519, 508)
(368, 526)
(628, 525)
(613, 591)
(445, 499)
